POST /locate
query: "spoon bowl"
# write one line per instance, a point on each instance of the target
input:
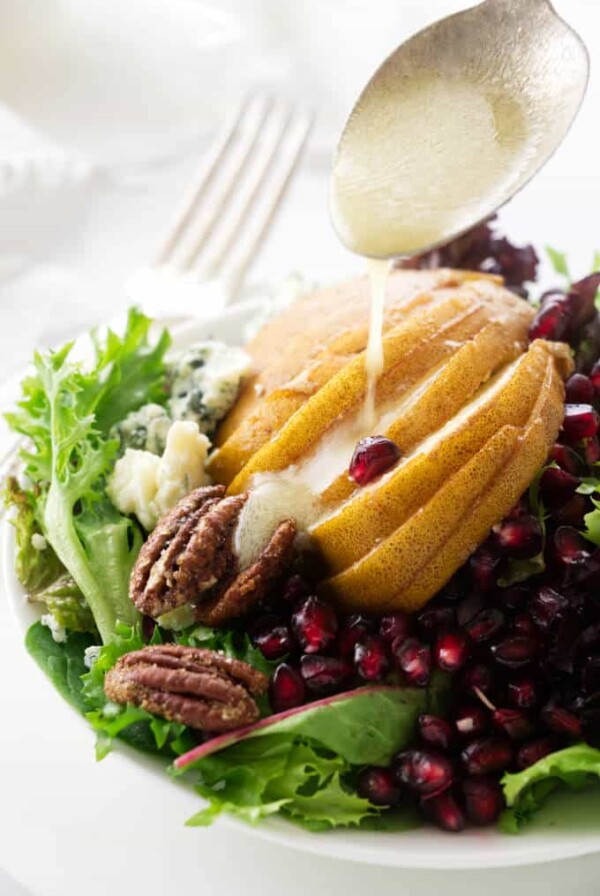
(454, 123)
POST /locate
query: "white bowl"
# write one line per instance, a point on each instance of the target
(565, 829)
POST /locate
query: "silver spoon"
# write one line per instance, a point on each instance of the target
(454, 123)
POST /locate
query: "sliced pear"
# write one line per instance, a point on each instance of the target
(339, 313)
(411, 350)
(302, 349)
(407, 568)
(377, 510)
(459, 379)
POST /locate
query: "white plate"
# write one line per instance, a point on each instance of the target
(562, 834)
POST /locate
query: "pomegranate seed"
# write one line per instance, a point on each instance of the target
(561, 721)
(272, 637)
(569, 547)
(591, 451)
(324, 674)
(426, 771)
(589, 639)
(513, 722)
(546, 606)
(557, 487)
(436, 617)
(516, 650)
(561, 655)
(581, 422)
(595, 377)
(413, 658)
(371, 659)
(315, 625)
(477, 678)
(434, 731)
(579, 389)
(446, 813)
(523, 694)
(567, 459)
(485, 625)
(553, 321)
(483, 565)
(468, 608)
(484, 800)
(451, 651)
(590, 676)
(377, 785)
(520, 538)
(533, 751)
(523, 624)
(286, 688)
(487, 755)
(471, 721)
(520, 509)
(573, 512)
(395, 626)
(354, 629)
(372, 457)
(453, 589)
(294, 589)
(513, 598)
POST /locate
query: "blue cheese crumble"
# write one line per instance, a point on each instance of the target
(148, 486)
(205, 383)
(145, 429)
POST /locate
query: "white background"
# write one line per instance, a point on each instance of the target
(132, 88)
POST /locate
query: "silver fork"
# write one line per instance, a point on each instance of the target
(227, 210)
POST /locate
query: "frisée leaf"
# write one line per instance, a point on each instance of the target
(66, 412)
(575, 767)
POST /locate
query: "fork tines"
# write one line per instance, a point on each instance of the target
(237, 190)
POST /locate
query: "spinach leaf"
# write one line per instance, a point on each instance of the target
(62, 663)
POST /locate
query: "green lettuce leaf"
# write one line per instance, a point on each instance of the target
(300, 762)
(260, 777)
(35, 569)
(232, 642)
(575, 767)
(134, 725)
(62, 663)
(559, 263)
(64, 600)
(592, 523)
(66, 412)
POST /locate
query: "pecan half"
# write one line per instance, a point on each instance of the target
(239, 595)
(189, 561)
(196, 687)
(148, 592)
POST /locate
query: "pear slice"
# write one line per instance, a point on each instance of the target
(409, 566)
(411, 351)
(375, 511)
(472, 365)
(305, 346)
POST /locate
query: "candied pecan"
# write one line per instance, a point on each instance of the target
(186, 554)
(168, 526)
(189, 560)
(191, 685)
(239, 595)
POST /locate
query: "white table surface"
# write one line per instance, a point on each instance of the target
(52, 793)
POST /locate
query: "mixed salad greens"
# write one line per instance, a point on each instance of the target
(74, 554)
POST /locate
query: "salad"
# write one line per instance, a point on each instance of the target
(264, 697)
